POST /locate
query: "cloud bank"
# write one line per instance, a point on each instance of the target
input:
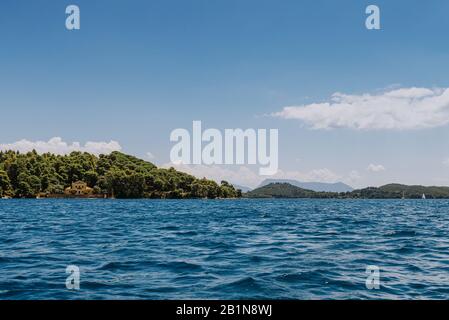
(398, 109)
(375, 168)
(244, 176)
(150, 156)
(58, 146)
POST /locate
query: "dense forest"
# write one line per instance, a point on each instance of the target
(117, 174)
(390, 191)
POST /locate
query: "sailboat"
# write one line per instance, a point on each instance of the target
(423, 196)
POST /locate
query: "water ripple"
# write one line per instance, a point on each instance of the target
(233, 249)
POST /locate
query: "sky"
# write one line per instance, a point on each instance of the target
(365, 107)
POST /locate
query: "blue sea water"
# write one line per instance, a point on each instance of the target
(224, 249)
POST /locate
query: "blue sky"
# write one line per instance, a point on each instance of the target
(139, 69)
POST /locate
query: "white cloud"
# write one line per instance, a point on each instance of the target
(150, 156)
(240, 175)
(244, 176)
(397, 109)
(375, 168)
(354, 176)
(58, 146)
(446, 162)
(316, 175)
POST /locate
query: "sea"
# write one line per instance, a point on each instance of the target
(306, 249)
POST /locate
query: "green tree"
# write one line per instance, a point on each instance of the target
(5, 184)
(91, 178)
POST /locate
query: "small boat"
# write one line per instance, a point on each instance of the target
(423, 196)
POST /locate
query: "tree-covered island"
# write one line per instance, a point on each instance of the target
(116, 175)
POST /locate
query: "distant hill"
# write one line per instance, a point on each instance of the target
(314, 186)
(286, 190)
(397, 191)
(390, 191)
(279, 190)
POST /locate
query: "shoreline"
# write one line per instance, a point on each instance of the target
(243, 198)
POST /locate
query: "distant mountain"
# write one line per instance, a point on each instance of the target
(243, 188)
(314, 186)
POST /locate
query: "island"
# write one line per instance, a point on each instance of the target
(390, 191)
(84, 175)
